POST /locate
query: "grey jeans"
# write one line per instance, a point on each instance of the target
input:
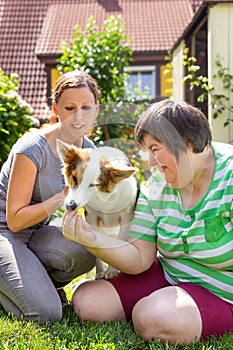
(32, 264)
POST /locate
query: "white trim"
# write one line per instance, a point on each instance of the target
(142, 69)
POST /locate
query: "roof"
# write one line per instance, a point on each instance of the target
(153, 25)
(29, 27)
(200, 9)
(195, 4)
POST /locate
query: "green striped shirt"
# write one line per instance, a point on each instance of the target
(194, 245)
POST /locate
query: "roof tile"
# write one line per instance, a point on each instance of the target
(29, 27)
(153, 25)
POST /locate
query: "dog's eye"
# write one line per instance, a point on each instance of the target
(93, 185)
(75, 182)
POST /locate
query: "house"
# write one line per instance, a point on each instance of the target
(31, 33)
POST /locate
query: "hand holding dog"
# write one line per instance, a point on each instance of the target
(77, 230)
(131, 256)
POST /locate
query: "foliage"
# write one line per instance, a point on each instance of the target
(219, 102)
(103, 54)
(15, 114)
(193, 78)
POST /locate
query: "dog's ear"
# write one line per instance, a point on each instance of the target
(75, 161)
(63, 149)
(68, 153)
(118, 174)
(110, 175)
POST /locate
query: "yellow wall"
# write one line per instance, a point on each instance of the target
(54, 76)
(165, 85)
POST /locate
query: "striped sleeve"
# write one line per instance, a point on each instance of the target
(144, 222)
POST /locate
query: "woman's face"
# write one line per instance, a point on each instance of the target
(177, 173)
(76, 110)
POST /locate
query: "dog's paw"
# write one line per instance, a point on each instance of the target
(110, 273)
(100, 276)
(100, 269)
(103, 273)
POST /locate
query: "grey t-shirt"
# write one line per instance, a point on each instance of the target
(49, 178)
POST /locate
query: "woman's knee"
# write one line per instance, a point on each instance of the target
(44, 310)
(39, 313)
(44, 315)
(97, 301)
(146, 318)
(81, 298)
(166, 316)
(152, 318)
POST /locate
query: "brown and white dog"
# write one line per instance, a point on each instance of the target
(102, 181)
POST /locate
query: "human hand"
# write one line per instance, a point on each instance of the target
(75, 229)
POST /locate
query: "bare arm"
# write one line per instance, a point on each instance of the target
(132, 256)
(19, 213)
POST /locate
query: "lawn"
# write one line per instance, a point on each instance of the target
(72, 333)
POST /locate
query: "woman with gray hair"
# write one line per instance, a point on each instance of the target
(177, 276)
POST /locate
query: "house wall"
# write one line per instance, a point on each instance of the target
(54, 76)
(164, 85)
(178, 73)
(220, 43)
(165, 82)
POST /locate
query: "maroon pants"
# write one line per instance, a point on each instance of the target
(216, 314)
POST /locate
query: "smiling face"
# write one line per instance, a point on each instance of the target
(76, 110)
(177, 172)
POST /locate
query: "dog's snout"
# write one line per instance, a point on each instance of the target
(71, 205)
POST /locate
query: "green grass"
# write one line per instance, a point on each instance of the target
(72, 333)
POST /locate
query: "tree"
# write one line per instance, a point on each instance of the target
(104, 54)
(16, 114)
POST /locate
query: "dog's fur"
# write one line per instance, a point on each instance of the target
(102, 181)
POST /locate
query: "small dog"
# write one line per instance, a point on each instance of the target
(102, 181)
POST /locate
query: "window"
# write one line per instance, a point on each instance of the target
(142, 81)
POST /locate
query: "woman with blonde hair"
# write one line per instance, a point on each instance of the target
(36, 261)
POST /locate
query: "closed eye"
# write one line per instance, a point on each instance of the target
(86, 108)
(75, 180)
(93, 185)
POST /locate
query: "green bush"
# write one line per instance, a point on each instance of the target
(15, 114)
(104, 54)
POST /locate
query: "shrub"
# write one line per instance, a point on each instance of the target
(15, 114)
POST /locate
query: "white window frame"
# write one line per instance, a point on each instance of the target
(141, 69)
